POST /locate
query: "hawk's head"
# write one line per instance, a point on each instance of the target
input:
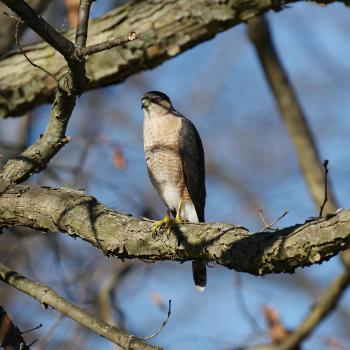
(156, 100)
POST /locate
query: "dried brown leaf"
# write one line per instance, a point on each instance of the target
(118, 158)
(72, 7)
(277, 331)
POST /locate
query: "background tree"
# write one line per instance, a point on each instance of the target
(255, 160)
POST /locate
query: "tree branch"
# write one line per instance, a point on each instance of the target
(123, 236)
(64, 46)
(290, 111)
(83, 21)
(325, 304)
(8, 25)
(36, 157)
(106, 45)
(166, 29)
(310, 163)
(70, 84)
(48, 296)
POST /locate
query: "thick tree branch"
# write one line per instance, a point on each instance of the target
(70, 84)
(166, 29)
(123, 236)
(36, 157)
(48, 296)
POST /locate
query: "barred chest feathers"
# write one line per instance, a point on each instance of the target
(161, 146)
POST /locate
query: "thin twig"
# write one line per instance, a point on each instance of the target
(32, 329)
(19, 21)
(162, 326)
(13, 17)
(105, 45)
(325, 166)
(269, 226)
(83, 21)
(41, 27)
(48, 296)
(241, 302)
(46, 337)
(262, 218)
(32, 343)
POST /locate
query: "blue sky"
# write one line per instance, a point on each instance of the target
(219, 85)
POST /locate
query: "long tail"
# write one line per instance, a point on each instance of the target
(199, 267)
(199, 270)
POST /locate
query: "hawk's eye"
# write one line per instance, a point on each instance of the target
(156, 100)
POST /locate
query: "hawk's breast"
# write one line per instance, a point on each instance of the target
(161, 145)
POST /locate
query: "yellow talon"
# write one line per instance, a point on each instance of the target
(166, 222)
(178, 219)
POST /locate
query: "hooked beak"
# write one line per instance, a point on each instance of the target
(145, 103)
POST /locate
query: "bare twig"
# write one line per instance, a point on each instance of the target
(269, 226)
(106, 298)
(83, 21)
(41, 27)
(43, 340)
(82, 52)
(32, 343)
(70, 84)
(24, 53)
(325, 166)
(32, 329)
(162, 326)
(239, 297)
(48, 296)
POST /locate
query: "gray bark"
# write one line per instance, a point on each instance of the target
(123, 236)
(165, 29)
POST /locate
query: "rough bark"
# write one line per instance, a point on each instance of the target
(124, 236)
(36, 157)
(165, 29)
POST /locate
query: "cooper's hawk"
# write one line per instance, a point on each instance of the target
(175, 162)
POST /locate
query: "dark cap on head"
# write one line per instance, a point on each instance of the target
(157, 97)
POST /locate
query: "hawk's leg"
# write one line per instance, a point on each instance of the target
(178, 219)
(165, 222)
